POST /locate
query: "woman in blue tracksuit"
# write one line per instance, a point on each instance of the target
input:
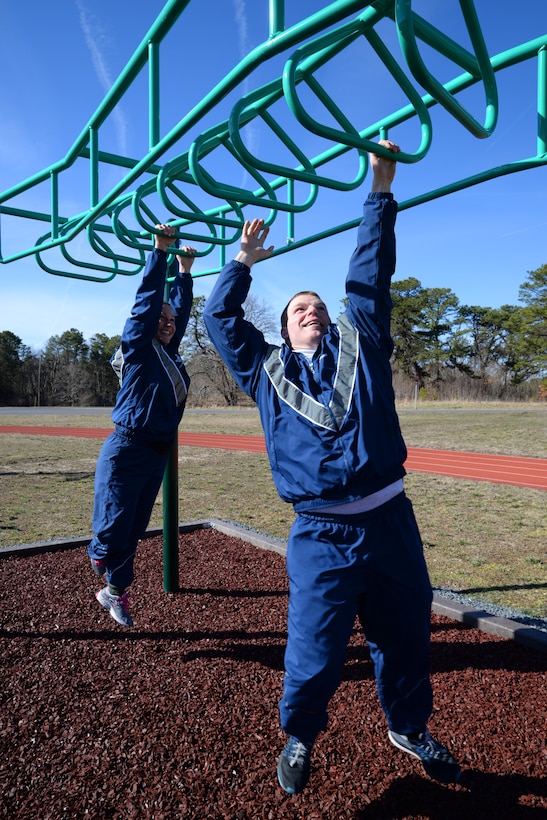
(149, 406)
(336, 452)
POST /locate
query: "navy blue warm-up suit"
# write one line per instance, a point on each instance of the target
(337, 454)
(148, 410)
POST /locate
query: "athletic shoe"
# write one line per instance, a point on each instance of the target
(98, 565)
(117, 605)
(437, 761)
(293, 766)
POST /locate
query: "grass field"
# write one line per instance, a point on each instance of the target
(486, 540)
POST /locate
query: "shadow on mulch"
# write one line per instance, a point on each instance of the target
(177, 717)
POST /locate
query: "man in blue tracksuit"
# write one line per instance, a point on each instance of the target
(336, 452)
(149, 406)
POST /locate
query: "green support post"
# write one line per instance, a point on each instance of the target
(542, 102)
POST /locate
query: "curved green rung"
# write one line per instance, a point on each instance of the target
(478, 67)
(99, 246)
(168, 179)
(114, 268)
(132, 239)
(305, 59)
(73, 274)
(175, 172)
(203, 145)
(140, 208)
(264, 197)
(193, 215)
(141, 240)
(222, 135)
(211, 240)
(250, 105)
(218, 217)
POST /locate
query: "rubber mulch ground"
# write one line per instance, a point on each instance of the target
(177, 716)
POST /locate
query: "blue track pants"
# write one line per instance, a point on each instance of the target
(127, 480)
(370, 566)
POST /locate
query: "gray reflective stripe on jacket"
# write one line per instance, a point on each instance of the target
(172, 370)
(330, 417)
(117, 364)
(179, 387)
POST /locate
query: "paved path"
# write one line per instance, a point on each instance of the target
(521, 472)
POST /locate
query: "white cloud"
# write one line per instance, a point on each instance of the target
(252, 137)
(96, 40)
(242, 28)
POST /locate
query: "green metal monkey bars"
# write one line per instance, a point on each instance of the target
(181, 172)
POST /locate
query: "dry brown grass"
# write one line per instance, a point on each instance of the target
(485, 539)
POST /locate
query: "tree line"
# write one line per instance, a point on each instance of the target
(442, 350)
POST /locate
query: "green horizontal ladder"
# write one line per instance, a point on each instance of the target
(120, 224)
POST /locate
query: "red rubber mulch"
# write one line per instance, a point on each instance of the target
(177, 716)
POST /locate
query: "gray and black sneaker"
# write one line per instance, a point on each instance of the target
(117, 605)
(293, 766)
(437, 761)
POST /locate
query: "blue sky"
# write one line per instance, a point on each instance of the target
(58, 60)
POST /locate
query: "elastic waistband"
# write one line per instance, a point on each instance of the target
(355, 519)
(368, 502)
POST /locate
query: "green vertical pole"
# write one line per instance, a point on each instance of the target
(277, 17)
(290, 214)
(93, 167)
(54, 176)
(153, 94)
(542, 102)
(170, 510)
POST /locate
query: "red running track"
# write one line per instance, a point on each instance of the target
(520, 472)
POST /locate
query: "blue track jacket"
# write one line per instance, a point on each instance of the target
(151, 399)
(331, 429)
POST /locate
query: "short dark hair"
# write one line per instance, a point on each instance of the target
(285, 313)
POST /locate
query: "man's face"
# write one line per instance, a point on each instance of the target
(307, 322)
(166, 325)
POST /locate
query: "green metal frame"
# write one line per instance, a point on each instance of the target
(179, 183)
